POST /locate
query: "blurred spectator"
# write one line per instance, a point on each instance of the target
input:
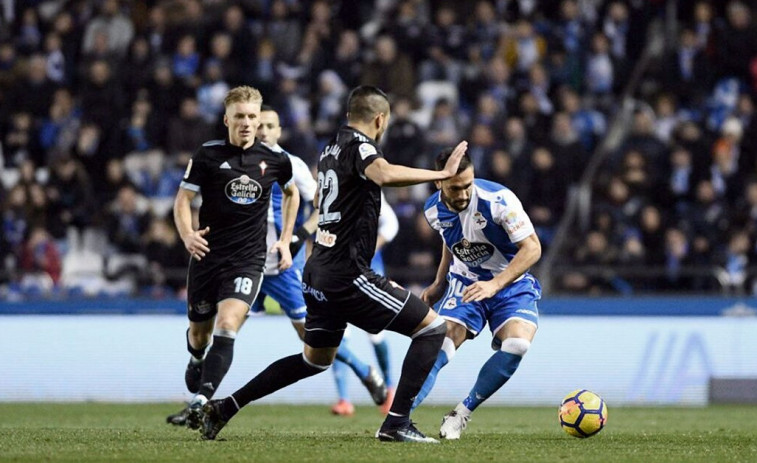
(329, 104)
(347, 61)
(736, 40)
(685, 70)
(40, 262)
(401, 81)
(186, 60)
(187, 130)
(59, 131)
(33, 92)
(21, 141)
(211, 92)
(126, 221)
(404, 141)
(445, 128)
(111, 22)
(445, 40)
(70, 192)
(166, 256)
(523, 48)
(283, 30)
(543, 193)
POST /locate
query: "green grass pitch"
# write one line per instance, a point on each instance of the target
(97, 432)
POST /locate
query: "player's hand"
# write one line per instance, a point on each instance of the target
(433, 293)
(285, 257)
(480, 290)
(196, 244)
(453, 162)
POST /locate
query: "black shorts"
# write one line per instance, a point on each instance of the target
(368, 300)
(206, 288)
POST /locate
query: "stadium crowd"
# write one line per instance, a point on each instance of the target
(103, 102)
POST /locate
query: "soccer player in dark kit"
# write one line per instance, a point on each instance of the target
(235, 177)
(338, 283)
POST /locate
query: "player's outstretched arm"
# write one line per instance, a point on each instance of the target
(382, 173)
(194, 240)
(435, 290)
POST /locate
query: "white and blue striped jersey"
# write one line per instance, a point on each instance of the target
(482, 237)
(307, 186)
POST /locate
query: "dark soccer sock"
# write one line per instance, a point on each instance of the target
(418, 362)
(344, 354)
(382, 355)
(278, 375)
(197, 354)
(216, 365)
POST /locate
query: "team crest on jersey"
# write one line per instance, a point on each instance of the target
(450, 304)
(243, 190)
(263, 167)
(203, 307)
(479, 222)
(473, 254)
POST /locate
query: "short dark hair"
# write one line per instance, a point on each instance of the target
(365, 102)
(441, 160)
(267, 107)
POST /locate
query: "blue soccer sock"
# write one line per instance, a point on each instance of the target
(443, 358)
(493, 375)
(345, 355)
(382, 355)
(340, 377)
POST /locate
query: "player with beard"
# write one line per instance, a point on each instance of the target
(338, 283)
(489, 245)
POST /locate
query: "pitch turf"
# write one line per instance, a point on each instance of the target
(133, 433)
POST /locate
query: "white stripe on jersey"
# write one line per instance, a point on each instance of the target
(378, 295)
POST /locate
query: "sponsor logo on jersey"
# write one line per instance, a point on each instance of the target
(513, 223)
(317, 294)
(225, 165)
(324, 238)
(263, 167)
(473, 254)
(189, 169)
(446, 224)
(366, 149)
(479, 222)
(243, 190)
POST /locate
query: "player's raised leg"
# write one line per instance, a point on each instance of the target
(427, 338)
(515, 337)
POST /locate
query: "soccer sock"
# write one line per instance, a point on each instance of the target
(345, 355)
(217, 362)
(278, 375)
(382, 355)
(340, 377)
(495, 373)
(198, 355)
(445, 355)
(419, 360)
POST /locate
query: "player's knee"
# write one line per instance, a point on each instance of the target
(515, 346)
(448, 347)
(437, 328)
(314, 367)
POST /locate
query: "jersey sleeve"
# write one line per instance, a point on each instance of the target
(365, 154)
(389, 226)
(303, 178)
(285, 174)
(508, 213)
(196, 172)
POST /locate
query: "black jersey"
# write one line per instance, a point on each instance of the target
(235, 185)
(349, 205)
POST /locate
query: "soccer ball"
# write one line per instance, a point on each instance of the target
(582, 413)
